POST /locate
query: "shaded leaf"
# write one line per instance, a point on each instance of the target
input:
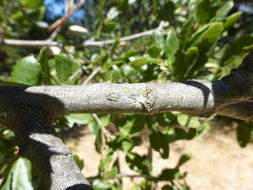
(205, 14)
(166, 12)
(154, 50)
(160, 143)
(45, 70)
(244, 133)
(138, 163)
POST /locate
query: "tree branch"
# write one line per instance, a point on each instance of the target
(241, 110)
(38, 143)
(87, 43)
(195, 97)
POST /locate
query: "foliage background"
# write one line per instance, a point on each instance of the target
(200, 39)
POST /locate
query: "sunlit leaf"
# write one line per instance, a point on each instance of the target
(172, 44)
(231, 20)
(137, 61)
(19, 177)
(27, 71)
(189, 121)
(206, 36)
(32, 3)
(99, 184)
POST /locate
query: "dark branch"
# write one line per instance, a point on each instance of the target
(38, 143)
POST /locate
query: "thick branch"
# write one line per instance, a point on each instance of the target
(37, 142)
(241, 110)
(195, 97)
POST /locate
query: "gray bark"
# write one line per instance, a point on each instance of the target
(38, 143)
(27, 111)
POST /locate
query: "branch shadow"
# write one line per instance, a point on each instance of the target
(30, 115)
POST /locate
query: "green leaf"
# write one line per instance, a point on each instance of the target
(184, 63)
(133, 125)
(112, 13)
(109, 26)
(45, 70)
(99, 184)
(169, 174)
(82, 119)
(113, 74)
(234, 55)
(159, 38)
(79, 162)
(138, 61)
(160, 143)
(127, 54)
(206, 36)
(112, 174)
(166, 12)
(121, 142)
(189, 121)
(184, 158)
(172, 44)
(27, 71)
(138, 163)
(244, 133)
(127, 145)
(105, 120)
(231, 20)
(98, 141)
(237, 47)
(203, 13)
(154, 51)
(19, 177)
(32, 3)
(65, 68)
(105, 163)
(186, 32)
(62, 66)
(224, 10)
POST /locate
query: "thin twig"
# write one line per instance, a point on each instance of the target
(93, 74)
(86, 43)
(57, 25)
(120, 176)
(104, 130)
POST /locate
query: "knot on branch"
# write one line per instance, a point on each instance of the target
(146, 97)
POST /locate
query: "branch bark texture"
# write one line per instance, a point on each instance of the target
(38, 143)
(27, 111)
